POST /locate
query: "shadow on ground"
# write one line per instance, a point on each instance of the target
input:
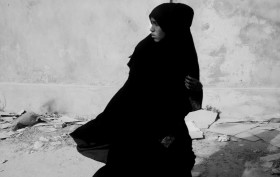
(220, 159)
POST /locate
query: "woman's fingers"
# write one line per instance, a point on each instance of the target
(192, 83)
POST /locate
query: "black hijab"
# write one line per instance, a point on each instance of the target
(175, 20)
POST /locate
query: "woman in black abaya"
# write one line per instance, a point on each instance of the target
(142, 132)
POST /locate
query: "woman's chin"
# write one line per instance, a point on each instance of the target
(156, 40)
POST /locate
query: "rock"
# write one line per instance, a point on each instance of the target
(270, 157)
(37, 145)
(27, 119)
(21, 112)
(194, 131)
(202, 118)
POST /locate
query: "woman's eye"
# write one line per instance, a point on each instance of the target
(154, 23)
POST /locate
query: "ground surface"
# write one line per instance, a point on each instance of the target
(42, 152)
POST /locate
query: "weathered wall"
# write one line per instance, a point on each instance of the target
(48, 45)
(69, 41)
(88, 42)
(238, 42)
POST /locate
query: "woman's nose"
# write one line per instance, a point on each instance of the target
(152, 29)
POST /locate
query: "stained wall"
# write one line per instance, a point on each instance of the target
(58, 46)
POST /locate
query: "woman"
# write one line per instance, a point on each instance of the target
(142, 131)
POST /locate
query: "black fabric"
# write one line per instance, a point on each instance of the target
(151, 105)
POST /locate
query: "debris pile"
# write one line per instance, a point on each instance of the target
(14, 124)
(202, 121)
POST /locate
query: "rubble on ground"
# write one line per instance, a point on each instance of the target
(40, 131)
(208, 120)
(51, 131)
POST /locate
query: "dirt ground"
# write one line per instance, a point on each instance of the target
(39, 153)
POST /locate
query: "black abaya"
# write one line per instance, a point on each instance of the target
(149, 107)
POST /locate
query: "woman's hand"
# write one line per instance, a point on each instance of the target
(193, 84)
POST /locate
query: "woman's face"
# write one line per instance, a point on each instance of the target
(156, 31)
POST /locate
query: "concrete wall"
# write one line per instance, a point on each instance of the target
(74, 53)
(69, 41)
(238, 42)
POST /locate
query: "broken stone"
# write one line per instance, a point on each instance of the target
(21, 112)
(37, 145)
(27, 119)
(194, 132)
(270, 158)
(202, 118)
